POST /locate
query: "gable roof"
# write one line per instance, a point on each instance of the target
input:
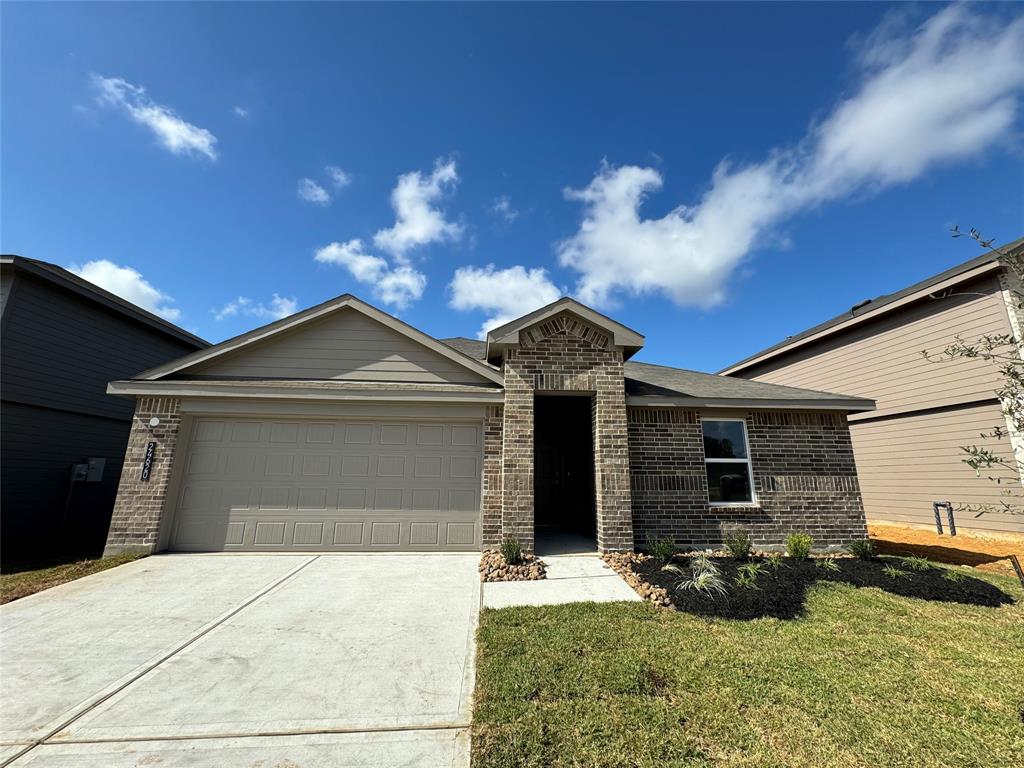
(346, 301)
(70, 281)
(508, 334)
(878, 306)
(646, 382)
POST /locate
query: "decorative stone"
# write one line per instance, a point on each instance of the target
(622, 564)
(494, 568)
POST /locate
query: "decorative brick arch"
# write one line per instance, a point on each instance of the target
(562, 354)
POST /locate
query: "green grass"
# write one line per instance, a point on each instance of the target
(861, 677)
(28, 582)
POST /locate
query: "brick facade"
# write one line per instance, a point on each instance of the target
(135, 524)
(805, 479)
(490, 497)
(565, 354)
(650, 477)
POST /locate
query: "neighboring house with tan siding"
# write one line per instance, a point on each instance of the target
(908, 450)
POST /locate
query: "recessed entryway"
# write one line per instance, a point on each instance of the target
(563, 454)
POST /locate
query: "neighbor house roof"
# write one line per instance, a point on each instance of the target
(648, 383)
(871, 308)
(72, 282)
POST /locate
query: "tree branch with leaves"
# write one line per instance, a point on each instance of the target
(1005, 351)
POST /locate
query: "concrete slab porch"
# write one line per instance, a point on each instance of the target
(571, 578)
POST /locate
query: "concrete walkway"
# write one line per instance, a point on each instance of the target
(570, 579)
(224, 660)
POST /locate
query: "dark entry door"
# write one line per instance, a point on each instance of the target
(563, 465)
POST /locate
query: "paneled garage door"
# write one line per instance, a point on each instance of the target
(266, 485)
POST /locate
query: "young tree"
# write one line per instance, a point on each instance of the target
(1006, 351)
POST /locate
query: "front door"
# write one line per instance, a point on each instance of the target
(563, 457)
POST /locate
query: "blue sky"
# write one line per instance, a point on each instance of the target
(715, 176)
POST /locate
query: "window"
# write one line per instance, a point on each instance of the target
(727, 461)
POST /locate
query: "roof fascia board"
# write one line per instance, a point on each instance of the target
(655, 401)
(869, 315)
(313, 313)
(151, 388)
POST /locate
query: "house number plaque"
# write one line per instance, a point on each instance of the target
(147, 462)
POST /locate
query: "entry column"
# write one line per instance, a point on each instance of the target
(517, 456)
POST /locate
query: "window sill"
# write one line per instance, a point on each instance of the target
(752, 506)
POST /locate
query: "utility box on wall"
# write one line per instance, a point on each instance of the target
(88, 471)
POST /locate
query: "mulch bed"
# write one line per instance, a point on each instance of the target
(779, 590)
(494, 568)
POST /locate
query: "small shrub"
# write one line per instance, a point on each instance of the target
(512, 550)
(746, 575)
(894, 573)
(704, 576)
(739, 545)
(954, 576)
(862, 548)
(662, 550)
(828, 563)
(915, 563)
(775, 561)
(798, 546)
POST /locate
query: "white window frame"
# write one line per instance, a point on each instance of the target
(748, 461)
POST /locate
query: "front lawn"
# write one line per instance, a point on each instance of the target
(28, 582)
(859, 676)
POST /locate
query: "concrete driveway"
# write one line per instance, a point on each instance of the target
(247, 660)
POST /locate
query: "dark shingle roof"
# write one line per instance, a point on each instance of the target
(650, 379)
(473, 347)
(647, 379)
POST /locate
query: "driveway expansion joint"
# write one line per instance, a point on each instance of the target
(150, 667)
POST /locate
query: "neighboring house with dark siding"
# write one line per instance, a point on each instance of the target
(908, 450)
(61, 340)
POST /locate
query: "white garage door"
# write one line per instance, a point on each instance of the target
(278, 484)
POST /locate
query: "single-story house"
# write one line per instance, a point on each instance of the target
(908, 449)
(62, 437)
(343, 428)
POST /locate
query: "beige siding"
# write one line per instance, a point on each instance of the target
(344, 345)
(908, 451)
(882, 359)
(906, 463)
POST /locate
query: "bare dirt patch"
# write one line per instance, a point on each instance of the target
(986, 554)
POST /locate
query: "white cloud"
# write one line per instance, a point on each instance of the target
(277, 308)
(339, 178)
(397, 286)
(241, 112)
(174, 133)
(417, 219)
(313, 193)
(502, 208)
(941, 93)
(129, 284)
(504, 294)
